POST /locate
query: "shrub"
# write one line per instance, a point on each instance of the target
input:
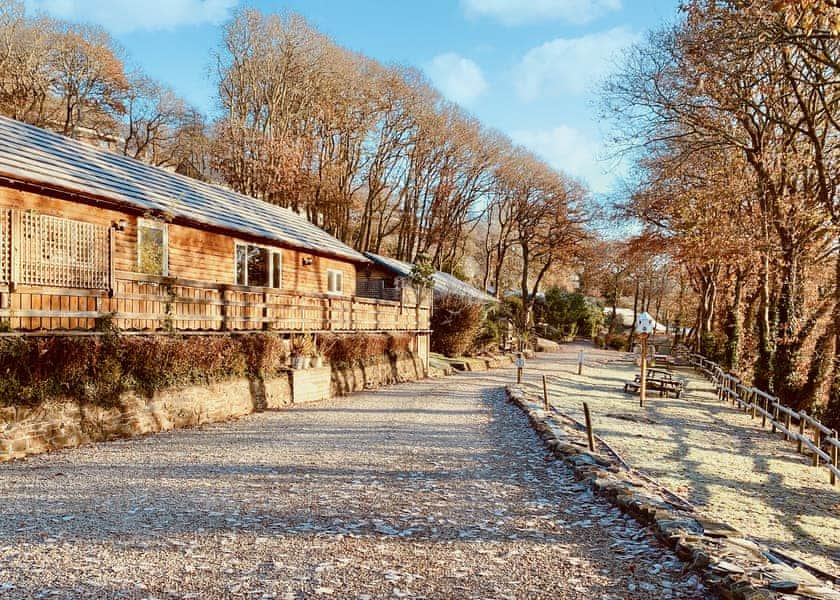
(455, 322)
(568, 314)
(358, 346)
(616, 342)
(489, 336)
(99, 369)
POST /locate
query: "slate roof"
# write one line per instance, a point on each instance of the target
(34, 155)
(444, 282)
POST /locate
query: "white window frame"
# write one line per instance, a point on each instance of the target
(340, 290)
(272, 252)
(160, 225)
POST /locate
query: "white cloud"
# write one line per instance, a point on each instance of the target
(125, 16)
(570, 150)
(518, 12)
(569, 65)
(458, 78)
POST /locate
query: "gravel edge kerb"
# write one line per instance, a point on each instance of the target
(722, 561)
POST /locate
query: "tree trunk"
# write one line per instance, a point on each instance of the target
(764, 360)
(734, 325)
(635, 315)
(832, 411)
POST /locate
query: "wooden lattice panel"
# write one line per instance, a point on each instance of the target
(5, 245)
(62, 252)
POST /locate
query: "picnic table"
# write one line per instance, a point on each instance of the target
(660, 381)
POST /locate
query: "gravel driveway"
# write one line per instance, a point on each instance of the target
(435, 489)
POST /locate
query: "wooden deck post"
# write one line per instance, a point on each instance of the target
(266, 316)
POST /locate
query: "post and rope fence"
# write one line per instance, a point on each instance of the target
(811, 436)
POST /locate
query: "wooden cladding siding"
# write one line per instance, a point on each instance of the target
(194, 254)
(199, 293)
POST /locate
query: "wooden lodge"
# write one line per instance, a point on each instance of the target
(87, 235)
(388, 276)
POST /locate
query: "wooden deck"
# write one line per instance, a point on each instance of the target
(149, 303)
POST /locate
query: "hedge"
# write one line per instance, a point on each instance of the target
(98, 369)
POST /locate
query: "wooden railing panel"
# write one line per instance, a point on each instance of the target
(167, 304)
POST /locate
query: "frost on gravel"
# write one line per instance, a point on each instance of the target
(432, 489)
(705, 450)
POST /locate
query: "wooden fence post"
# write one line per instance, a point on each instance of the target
(590, 435)
(753, 402)
(787, 425)
(834, 459)
(545, 394)
(764, 413)
(801, 432)
(775, 416)
(817, 440)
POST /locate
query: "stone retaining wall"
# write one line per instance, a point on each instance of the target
(376, 372)
(65, 423)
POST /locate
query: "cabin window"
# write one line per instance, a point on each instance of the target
(152, 247)
(258, 266)
(335, 281)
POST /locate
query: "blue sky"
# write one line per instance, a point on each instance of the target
(526, 67)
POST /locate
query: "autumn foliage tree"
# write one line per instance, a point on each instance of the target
(731, 115)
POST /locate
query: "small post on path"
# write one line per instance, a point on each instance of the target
(643, 383)
(545, 394)
(580, 362)
(520, 365)
(644, 327)
(590, 435)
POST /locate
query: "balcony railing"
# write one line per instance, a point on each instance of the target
(149, 303)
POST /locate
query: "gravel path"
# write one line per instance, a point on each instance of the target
(434, 489)
(707, 451)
